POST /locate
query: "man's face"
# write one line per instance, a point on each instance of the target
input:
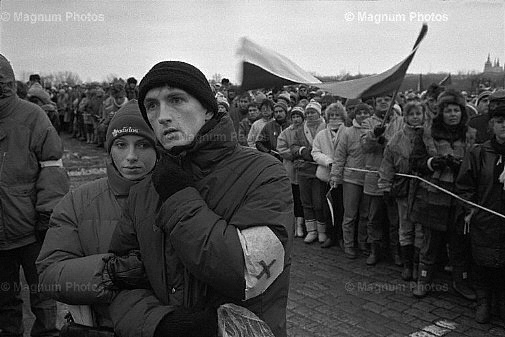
(252, 113)
(498, 124)
(175, 116)
(279, 114)
(302, 92)
(133, 156)
(432, 104)
(132, 85)
(382, 103)
(242, 103)
(231, 95)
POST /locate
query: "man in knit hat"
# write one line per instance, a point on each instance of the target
(218, 235)
(479, 125)
(33, 182)
(267, 139)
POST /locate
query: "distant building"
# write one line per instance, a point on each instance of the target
(493, 68)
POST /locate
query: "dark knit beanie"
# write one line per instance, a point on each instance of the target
(179, 75)
(128, 121)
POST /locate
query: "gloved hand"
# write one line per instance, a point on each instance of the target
(379, 130)
(381, 140)
(454, 163)
(305, 153)
(126, 272)
(169, 178)
(42, 226)
(188, 322)
(439, 163)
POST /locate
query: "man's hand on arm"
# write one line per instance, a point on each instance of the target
(169, 178)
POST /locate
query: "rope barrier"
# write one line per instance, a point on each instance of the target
(437, 187)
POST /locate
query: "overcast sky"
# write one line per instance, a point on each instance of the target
(126, 38)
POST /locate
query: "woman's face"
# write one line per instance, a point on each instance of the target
(499, 128)
(451, 114)
(414, 117)
(297, 120)
(311, 115)
(133, 156)
(361, 115)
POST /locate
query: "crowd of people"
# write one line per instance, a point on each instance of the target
(207, 186)
(354, 152)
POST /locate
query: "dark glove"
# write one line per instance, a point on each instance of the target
(42, 226)
(126, 272)
(169, 178)
(379, 130)
(454, 163)
(305, 153)
(188, 322)
(381, 140)
(438, 163)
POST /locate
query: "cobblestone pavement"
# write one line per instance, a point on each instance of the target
(331, 295)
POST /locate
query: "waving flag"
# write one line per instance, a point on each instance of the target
(264, 68)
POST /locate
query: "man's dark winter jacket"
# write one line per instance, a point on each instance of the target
(233, 233)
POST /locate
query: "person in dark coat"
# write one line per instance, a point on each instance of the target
(481, 180)
(267, 139)
(207, 225)
(436, 156)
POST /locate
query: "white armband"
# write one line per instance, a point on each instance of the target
(50, 163)
(263, 256)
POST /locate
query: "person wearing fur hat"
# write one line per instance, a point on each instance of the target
(75, 250)
(436, 156)
(349, 154)
(267, 139)
(323, 152)
(397, 160)
(210, 204)
(33, 182)
(382, 209)
(481, 179)
(284, 142)
(266, 115)
(310, 188)
(246, 124)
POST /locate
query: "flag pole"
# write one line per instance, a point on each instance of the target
(390, 108)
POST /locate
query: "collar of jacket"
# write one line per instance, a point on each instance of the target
(7, 105)
(119, 185)
(216, 140)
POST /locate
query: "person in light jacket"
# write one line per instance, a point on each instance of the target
(323, 152)
(349, 155)
(75, 251)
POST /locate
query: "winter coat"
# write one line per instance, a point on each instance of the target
(303, 139)
(243, 130)
(78, 241)
(428, 205)
(397, 160)
(478, 182)
(267, 139)
(32, 178)
(349, 153)
(323, 151)
(284, 142)
(255, 131)
(479, 125)
(233, 232)
(374, 150)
